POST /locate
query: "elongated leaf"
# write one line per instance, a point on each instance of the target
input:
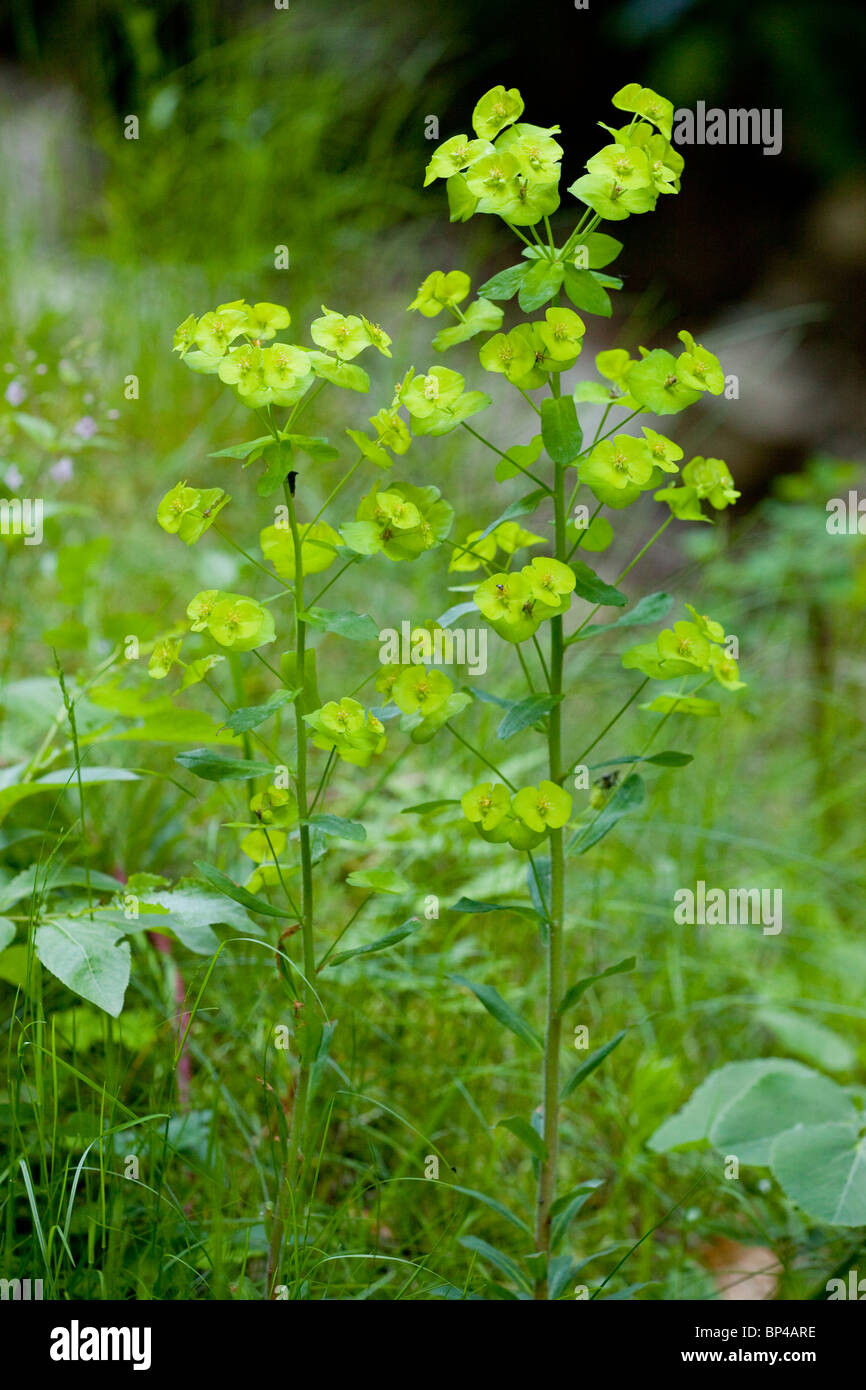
(62, 779)
(560, 428)
(90, 958)
(566, 1208)
(594, 590)
(240, 721)
(522, 1130)
(242, 451)
(572, 995)
(500, 1261)
(425, 808)
(650, 609)
(223, 884)
(382, 943)
(525, 713)
(470, 905)
(628, 795)
(218, 767)
(590, 1064)
(502, 1012)
(338, 826)
(494, 1205)
(379, 880)
(357, 627)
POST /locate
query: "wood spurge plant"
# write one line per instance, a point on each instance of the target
(510, 169)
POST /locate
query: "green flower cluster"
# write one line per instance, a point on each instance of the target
(618, 470)
(708, 479)
(401, 521)
(524, 820)
(355, 733)
(231, 619)
(528, 352)
(687, 649)
(189, 511)
(426, 698)
(234, 341)
(276, 811)
(629, 174)
(510, 170)
(479, 549)
(516, 603)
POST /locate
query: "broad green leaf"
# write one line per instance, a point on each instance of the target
(522, 1130)
(572, 995)
(502, 1012)
(808, 1039)
(588, 586)
(750, 1122)
(7, 932)
(62, 779)
(539, 284)
(218, 767)
(338, 826)
(242, 451)
(585, 292)
(357, 627)
(192, 912)
(560, 428)
(691, 1125)
(525, 713)
(822, 1168)
(44, 879)
(628, 795)
(602, 249)
(223, 884)
(589, 1066)
(240, 721)
(382, 943)
(506, 284)
(89, 958)
(379, 880)
(480, 317)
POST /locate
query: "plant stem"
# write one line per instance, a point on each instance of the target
(553, 1023)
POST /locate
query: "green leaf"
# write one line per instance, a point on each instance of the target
(748, 1124)
(577, 990)
(586, 293)
(669, 759)
(379, 880)
(88, 957)
(470, 905)
(808, 1039)
(566, 1208)
(628, 795)
(649, 609)
(522, 507)
(590, 1065)
(506, 284)
(492, 1203)
(502, 1012)
(240, 721)
(314, 446)
(560, 428)
(218, 767)
(522, 1130)
(338, 826)
(242, 451)
(383, 943)
(503, 1263)
(480, 317)
(425, 808)
(61, 779)
(588, 586)
(822, 1168)
(539, 284)
(357, 627)
(191, 913)
(691, 1125)
(227, 886)
(602, 249)
(525, 713)
(7, 932)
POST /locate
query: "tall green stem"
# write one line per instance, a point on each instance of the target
(553, 1023)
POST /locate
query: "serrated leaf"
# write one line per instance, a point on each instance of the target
(525, 713)
(502, 1012)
